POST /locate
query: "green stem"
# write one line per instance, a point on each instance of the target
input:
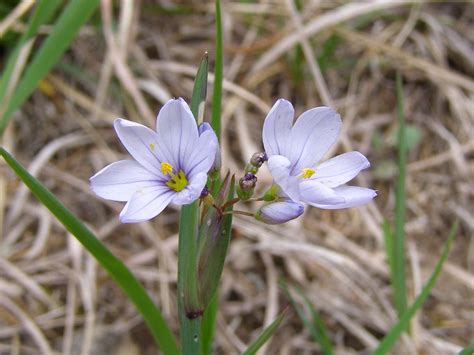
(218, 76)
(191, 336)
(187, 246)
(243, 213)
(187, 278)
(399, 278)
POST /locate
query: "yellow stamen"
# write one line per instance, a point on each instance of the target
(306, 173)
(178, 181)
(152, 146)
(166, 168)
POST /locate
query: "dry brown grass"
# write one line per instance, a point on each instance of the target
(54, 297)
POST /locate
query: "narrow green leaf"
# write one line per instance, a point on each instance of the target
(214, 239)
(211, 311)
(187, 278)
(74, 15)
(218, 77)
(42, 13)
(116, 269)
(389, 340)
(198, 99)
(322, 332)
(266, 334)
(187, 246)
(398, 271)
(208, 325)
(388, 240)
(317, 328)
(468, 350)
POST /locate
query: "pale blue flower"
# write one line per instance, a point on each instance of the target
(294, 152)
(170, 166)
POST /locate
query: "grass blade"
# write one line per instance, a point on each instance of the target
(188, 230)
(389, 340)
(388, 241)
(317, 327)
(116, 269)
(321, 330)
(187, 277)
(198, 100)
(468, 350)
(217, 91)
(207, 331)
(398, 258)
(218, 260)
(42, 13)
(74, 15)
(208, 325)
(266, 334)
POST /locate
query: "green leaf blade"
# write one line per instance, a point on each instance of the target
(265, 336)
(198, 98)
(389, 340)
(190, 333)
(218, 75)
(316, 328)
(398, 258)
(210, 314)
(42, 13)
(468, 350)
(187, 278)
(74, 15)
(208, 325)
(321, 330)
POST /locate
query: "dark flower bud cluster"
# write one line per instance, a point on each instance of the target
(248, 181)
(246, 186)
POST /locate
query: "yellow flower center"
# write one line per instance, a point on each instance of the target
(306, 173)
(177, 182)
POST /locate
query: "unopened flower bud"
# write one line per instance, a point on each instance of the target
(279, 212)
(246, 186)
(258, 159)
(248, 181)
(206, 197)
(204, 192)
